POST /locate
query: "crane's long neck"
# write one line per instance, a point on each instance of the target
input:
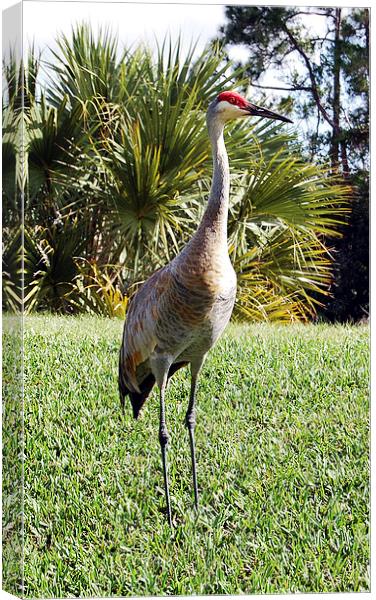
(215, 216)
(207, 250)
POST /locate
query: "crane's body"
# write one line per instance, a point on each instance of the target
(181, 310)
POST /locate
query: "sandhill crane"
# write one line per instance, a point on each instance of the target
(181, 310)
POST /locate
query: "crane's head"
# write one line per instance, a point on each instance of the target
(231, 105)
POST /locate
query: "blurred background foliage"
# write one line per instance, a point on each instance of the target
(112, 161)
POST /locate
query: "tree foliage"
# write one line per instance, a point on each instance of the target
(322, 74)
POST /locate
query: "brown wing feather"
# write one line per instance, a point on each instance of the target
(139, 336)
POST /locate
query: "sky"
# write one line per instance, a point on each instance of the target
(133, 22)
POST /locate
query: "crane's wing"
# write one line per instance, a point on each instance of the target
(140, 339)
(139, 336)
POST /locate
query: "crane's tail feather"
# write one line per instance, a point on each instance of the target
(138, 399)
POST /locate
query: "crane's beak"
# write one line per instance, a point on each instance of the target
(258, 111)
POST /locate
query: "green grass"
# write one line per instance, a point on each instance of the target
(282, 449)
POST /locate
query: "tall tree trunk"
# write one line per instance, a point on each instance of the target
(336, 106)
(344, 160)
(366, 27)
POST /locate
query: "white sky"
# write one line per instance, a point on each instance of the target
(132, 22)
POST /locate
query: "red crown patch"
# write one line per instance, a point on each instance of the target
(232, 98)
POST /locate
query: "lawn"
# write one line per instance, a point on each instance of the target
(282, 446)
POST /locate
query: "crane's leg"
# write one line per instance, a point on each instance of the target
(160, 367)
(190, 421)
(163, 440)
